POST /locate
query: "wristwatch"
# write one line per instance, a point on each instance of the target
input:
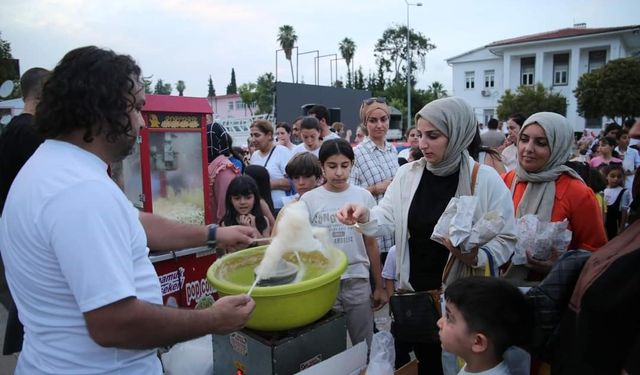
(211, 237)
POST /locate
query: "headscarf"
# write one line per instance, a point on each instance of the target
(217, 141)
(540, 192)
(454, 118)
(366, 109)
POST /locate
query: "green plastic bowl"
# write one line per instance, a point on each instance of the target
(287, 306)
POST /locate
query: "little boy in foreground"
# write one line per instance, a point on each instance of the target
(484, 316)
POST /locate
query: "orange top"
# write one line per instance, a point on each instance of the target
(575, 202)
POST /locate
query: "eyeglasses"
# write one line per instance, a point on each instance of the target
(374, 99)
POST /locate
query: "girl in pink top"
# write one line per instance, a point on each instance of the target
(605, 150)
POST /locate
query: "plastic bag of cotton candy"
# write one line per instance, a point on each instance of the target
(456, 224)
(293, 232)
(538, 238)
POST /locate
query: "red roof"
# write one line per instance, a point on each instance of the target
(176, 104)
(562, 33)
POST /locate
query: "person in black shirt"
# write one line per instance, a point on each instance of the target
(19, 139)
(18, 142)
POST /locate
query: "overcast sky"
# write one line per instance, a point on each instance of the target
(191, 39)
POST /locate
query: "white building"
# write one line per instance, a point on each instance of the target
(557, 59)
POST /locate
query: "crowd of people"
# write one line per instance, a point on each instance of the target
(59, 243)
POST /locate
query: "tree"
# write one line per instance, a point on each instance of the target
(610, 91)
(211, 91)
(162, 88)
(347, 50)
(391, 51)
(437, 90)
(358, 80)
(265, 90)
(5, 49)
(287, 38)
(232, 88)
(529, 100)
(247, 93)
(9, 68)
(147, 85)
(180, 86)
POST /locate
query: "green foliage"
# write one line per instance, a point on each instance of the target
(162, 88)
(265, 90)
(247, 93)
(180, 86)
(232, 88)
(211, 92)
(9, 68)
(391, 51)
(147, 85)
(437, 90)
(610, 91)
(5, 49)
(358, 81)
(529, 100)
(287, 38)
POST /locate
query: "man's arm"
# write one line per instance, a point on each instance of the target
(165, 235)
(134, 324)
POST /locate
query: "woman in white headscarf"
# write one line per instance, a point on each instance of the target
(543, 185)
(417, 197)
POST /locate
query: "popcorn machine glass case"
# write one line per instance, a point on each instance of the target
(167, 173)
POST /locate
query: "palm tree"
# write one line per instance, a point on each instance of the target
(347, 49)
(287, 38)
(437, 90)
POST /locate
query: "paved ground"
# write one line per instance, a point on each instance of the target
(7, 362)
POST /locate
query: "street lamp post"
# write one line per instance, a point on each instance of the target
(409, 64)
(315, 67)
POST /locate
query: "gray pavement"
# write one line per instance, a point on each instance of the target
(7, 362)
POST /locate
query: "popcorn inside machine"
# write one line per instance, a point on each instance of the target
(167, 172)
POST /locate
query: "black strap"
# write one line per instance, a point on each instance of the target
(269, 157)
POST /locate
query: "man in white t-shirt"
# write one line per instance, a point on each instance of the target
(322, 114)
(75, 248)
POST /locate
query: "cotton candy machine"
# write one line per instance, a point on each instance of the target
(303, 301)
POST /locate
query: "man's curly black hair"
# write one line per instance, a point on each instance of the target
(90, 89)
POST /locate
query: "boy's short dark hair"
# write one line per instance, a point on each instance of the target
(495, 308)
(304, 164)
(310, 122)
(32, 81)
(320, 112)
(493, 124)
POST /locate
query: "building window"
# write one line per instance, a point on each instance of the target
(560, 69)
(239, 104)
(470, 80)
(231, 106)
(527, 69)
(597, 59)
(489, 78)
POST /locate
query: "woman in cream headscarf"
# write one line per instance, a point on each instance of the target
(542, 185)
(417, 197)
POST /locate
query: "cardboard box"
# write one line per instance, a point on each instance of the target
(281, 353)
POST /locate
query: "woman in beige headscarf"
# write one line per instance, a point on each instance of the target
(417, 197)
(543, 185)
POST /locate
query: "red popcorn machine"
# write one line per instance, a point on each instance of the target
(167, 172)
(167, 175)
